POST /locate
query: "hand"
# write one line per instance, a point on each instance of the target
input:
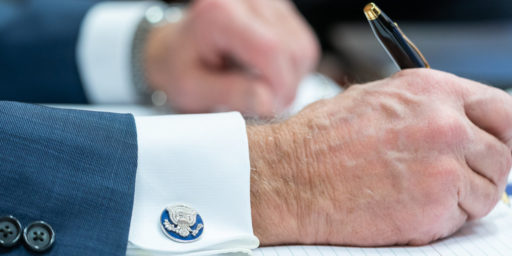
(405, 160)
(245, 55)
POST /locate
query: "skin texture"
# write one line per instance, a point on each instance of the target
(405, 160)
(240, 55)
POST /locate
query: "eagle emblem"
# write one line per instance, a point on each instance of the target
(182, 223)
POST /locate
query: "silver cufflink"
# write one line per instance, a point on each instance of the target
(181, 223)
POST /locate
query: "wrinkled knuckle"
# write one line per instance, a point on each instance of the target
(422, 80)
(448, 129)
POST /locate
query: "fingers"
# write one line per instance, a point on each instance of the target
(490, 109)
(487, 107)
(293, 32)
(488, 163)
(256, 48)
(489, 157)
(478, 195)
(257, 40)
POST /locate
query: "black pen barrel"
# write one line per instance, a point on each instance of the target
(393, 40)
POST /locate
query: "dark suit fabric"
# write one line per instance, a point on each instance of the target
(72, 169)
(38, 50)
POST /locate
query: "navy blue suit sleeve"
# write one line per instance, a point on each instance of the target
(38, 50)
(72, 169)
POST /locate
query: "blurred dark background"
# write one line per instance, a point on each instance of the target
(471, 38)
(324, 14)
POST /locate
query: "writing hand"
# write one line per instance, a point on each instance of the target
(404, 160)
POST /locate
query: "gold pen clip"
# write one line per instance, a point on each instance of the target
(413, 46)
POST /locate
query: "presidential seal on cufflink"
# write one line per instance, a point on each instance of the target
(181, 223)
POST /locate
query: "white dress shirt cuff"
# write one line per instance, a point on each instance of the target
(104, 51)
(201, 161)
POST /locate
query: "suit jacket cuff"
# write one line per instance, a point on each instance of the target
(201, 161)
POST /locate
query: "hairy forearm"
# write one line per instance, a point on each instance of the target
(281, 194)
(272, 192)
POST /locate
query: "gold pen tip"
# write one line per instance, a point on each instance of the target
(371, 11)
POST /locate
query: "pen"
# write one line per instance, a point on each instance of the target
(401, 50)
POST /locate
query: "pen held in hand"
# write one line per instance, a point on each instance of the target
(401, 50)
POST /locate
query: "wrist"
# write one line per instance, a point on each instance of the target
(274, 191)
(161, 43)
(156, 50)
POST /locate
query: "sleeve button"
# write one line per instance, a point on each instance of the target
(39, 236)
(10, 231)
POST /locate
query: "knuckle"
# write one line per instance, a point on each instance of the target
(447, 129)
(422, 80)
(418, 80)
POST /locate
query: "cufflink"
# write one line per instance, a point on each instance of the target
(181, 223)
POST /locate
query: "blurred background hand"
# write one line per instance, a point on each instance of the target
(241, 55)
